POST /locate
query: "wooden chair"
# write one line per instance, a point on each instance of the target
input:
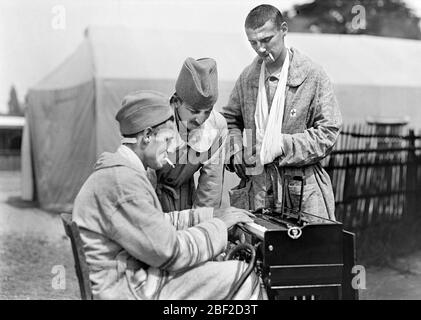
(81, 267)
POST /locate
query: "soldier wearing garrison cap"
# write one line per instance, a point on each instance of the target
(133, 249)
(200, 141)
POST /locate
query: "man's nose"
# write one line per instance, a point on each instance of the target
(261, 48)
(200, 119)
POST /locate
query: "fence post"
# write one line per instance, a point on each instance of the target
(411, 178)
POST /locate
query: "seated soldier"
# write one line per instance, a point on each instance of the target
(133, 249)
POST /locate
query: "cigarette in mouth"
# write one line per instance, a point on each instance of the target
(169, 162)
(270, 56)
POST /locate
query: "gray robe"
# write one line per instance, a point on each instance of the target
(135, 251)
(310, 127)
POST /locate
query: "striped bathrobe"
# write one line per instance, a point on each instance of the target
(135, 251)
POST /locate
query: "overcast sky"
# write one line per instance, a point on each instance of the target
(30, 47)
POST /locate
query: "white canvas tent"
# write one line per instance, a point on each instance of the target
(71, 111)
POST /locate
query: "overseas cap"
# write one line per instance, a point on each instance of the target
(197, 83)
(143, 109)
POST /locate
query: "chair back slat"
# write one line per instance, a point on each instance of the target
(81, 266)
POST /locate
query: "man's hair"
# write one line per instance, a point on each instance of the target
(261, 14)
(155, 128)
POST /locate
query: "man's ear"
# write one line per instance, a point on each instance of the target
(146, 135)
(284, 28)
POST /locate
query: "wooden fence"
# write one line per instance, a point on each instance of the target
(376, 177)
